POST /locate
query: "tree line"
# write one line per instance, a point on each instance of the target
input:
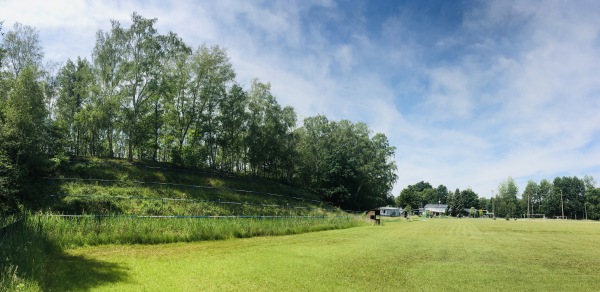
(568, 197)
(150, 96)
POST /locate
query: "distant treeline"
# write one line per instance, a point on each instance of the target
(150, 96)
(570, 197)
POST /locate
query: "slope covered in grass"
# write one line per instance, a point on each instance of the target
(97, 202)
(112, 187)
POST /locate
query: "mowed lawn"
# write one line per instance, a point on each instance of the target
(429, 255)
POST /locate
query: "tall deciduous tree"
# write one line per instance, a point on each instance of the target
(408, 197)
(469, 198)
(312, 148)
(2, 50)
(8, 184)
(507, 204)
(107, 59)
(572, 192)
(592, 196)
(141, 54)
(531, 197)
(171, 84)
(213, 73)
(259, 141)
(456, 203)
(341, 161)
(442, 194)
(550, 204)
(23, 48)
(75, 81)
(180, 102)
(24, 125)
(8, 173)
(592, 200)
(232, 121)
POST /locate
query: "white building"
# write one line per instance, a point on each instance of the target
(436, 209)
(390, 211)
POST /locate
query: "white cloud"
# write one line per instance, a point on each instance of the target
(345, 57)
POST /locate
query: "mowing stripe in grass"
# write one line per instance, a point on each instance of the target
(443, 254)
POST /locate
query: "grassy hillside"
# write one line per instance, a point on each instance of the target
(98, 202)
(115, 187)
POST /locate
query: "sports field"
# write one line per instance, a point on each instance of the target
(428, 255)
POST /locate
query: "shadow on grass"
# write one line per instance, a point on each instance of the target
(79, 273)
(31, 258)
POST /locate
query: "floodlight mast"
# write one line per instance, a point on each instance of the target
(528, 214)
(493, 209)
(562, 205)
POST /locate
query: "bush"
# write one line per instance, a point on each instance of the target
(8, 186)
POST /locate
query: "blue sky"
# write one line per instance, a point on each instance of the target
(469, 92)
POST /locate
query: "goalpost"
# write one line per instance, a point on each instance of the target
(536, 216)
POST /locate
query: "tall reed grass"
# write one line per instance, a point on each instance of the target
(131, 204)
(24, 253)
(69, 232)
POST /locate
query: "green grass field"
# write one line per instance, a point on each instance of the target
(430, 255)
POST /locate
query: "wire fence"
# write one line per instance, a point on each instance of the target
(163, 200)
(165, 184)
(196, 217)
(176, 169)
(173, 169)
(73, 204)
(292, 210)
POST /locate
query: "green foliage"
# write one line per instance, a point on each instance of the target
(232, 120)
(456, 203)
(269, 133)
(8, 186)
(507, 204)
(24, 128)
(470, 198)
(485, 203)
(442, 194)
(342, 161)
(2, 50)
(531, 196)
(21, 49)
(592, 206)
(148, 96)
(408, 210)
(572, 194)
(408, 197)
(421, 194)
(75, 113)
(549, 202)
